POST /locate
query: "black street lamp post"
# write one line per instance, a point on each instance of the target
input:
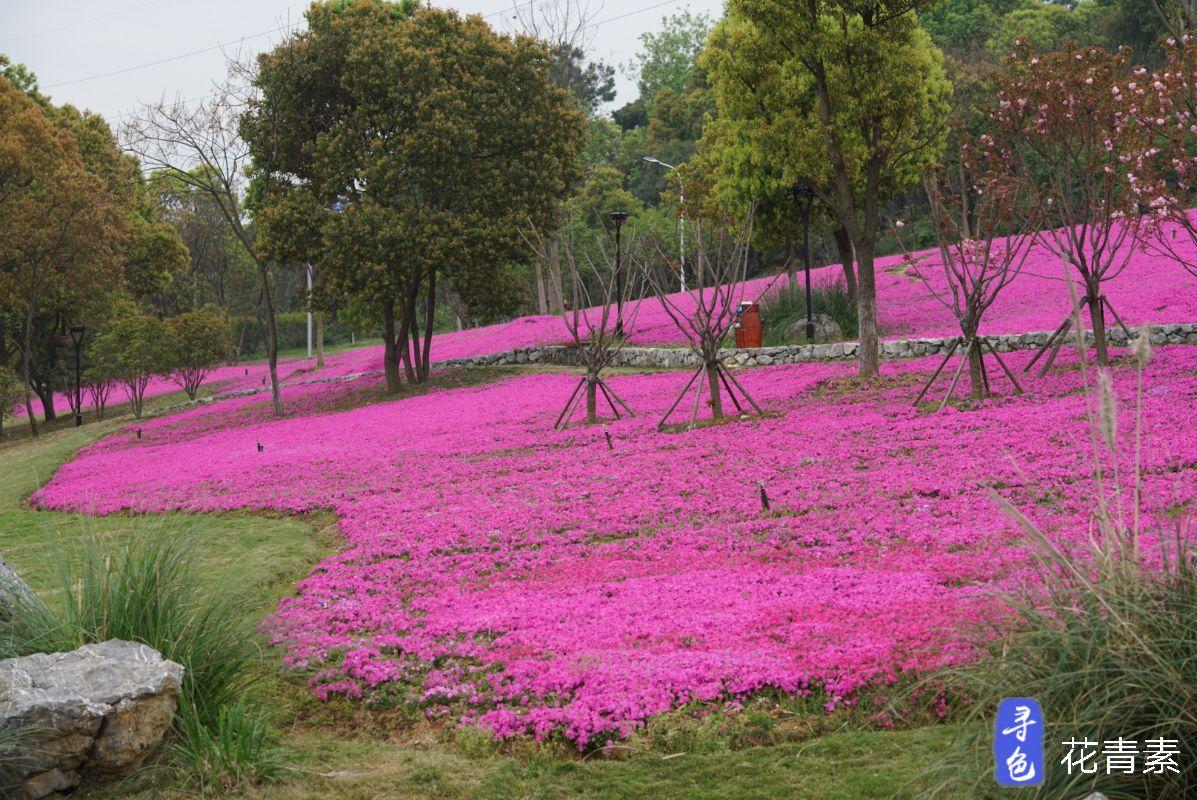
(618, 218)
(804, 196)
(77, 332)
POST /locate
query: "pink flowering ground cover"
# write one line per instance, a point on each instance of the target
(540, 582)
(226, 378)
(1151, 289)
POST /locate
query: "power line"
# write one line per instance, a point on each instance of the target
(634, 13)
(117, 13)
(181, 56)
(290, 26)
(178, 57)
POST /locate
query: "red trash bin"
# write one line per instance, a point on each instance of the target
(748, 324)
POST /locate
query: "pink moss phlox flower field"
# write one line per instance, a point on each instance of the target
(538, 582)
(1150, 289)
(227, 377)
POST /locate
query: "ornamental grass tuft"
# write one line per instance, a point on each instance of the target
(1105, 639)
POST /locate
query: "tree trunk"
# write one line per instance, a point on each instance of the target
(843, 245)
(716, 397)
(429, 315)
(866, 311)
(556, 299)
(1098, 317)
(27, 337)
(592, 400)
(46, 396)
(542, 302)
(319, 339)
(975, 370)
(964, 212)
(240, 344)
(271, 340)
(136, 399)
(409, 331)
(390, 350)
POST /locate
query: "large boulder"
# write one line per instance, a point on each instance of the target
(826, 329)
(97, 710)
(14, 592)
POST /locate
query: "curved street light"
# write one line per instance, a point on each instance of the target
(681, 235)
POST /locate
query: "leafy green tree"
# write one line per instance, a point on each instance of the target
(631, 115)
(202, 341)
(137, 347)
(20, 76)
(60, 231)
(590, 83)
(154, 255)
(218, 270)
(153, 251)
(666, 56)
(411, 144)
(666, 119)
(849, 99)
(99, 374)
(1045, 26)
(11, 390)
(586, 221)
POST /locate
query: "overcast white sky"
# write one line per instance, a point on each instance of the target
(70, 42)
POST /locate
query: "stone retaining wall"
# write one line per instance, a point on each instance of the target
(676, 357)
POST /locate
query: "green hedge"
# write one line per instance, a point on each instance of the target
(249, 333)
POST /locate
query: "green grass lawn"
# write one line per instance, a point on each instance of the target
(260, 556)
(301, 352)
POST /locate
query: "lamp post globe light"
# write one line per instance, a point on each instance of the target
(618, 218)
(681, 228)
(77, 332)
(804, 196)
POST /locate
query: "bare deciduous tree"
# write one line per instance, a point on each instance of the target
(982, 245)
(593, 322)
(566, 27)
(199, 145)
(708, 311)
(1061, 124)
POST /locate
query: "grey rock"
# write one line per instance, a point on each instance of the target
(99, 710)
(14, 592)
(680, 357)
(825, 328)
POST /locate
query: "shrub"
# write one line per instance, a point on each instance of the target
(249, 333)
(99, 373)
(150, 591)
(135, 348)
(11, 390)
(234, 748)
(201, 342)
(785, 307)
(1107, 645)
